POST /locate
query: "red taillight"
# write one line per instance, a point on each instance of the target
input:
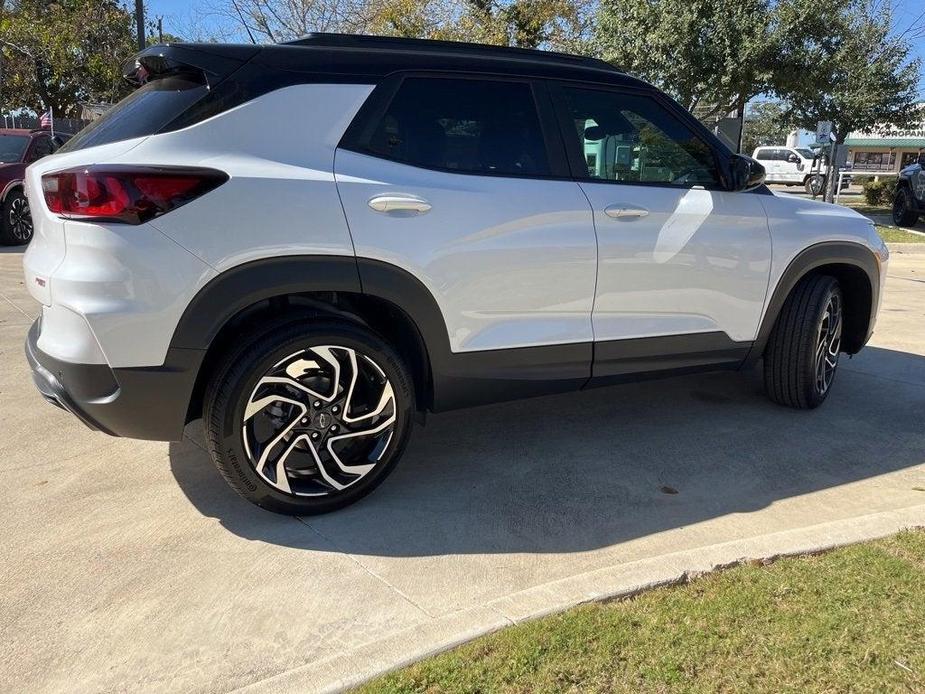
(132, 195)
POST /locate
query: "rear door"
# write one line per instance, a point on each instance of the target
(462, 182)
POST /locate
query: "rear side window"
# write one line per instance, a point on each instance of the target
(42, 146)
(764, 154)
(463, 125)
(143, 112)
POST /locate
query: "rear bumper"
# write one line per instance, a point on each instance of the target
(141, 403)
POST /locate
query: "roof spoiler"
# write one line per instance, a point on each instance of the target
(212, 62)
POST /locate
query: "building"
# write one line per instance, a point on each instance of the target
(886, 148)
(801, 138)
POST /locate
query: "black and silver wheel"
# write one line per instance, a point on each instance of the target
(814, 184)
(801, 357)
(306, 419)
(16, 225)
(904, 214)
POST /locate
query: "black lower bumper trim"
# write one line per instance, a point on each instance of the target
(141, 402)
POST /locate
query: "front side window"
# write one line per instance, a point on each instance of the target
(632, 138)
(464, 125)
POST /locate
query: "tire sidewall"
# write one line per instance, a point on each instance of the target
(816, 398)
(905, 218)
(226, 414)
(6, 230)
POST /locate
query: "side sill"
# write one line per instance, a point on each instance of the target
(621, 359)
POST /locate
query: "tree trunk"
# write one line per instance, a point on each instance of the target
(832, 181)
(740, 114)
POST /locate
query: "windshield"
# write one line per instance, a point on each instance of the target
(805, 153)
(12, 148)
(143, 112)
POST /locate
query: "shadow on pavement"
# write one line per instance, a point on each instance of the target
(581, 471)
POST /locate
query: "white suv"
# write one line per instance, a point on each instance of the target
(310, 245)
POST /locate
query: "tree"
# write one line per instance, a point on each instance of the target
(858, 71)
(711, 55)
(765, 124)
(845, 65)
(58, 53)
(527, 23)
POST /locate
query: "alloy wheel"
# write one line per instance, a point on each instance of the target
(319, 421)
(828, 344)
(20, 219)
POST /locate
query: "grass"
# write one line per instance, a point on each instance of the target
(849, 620)
(863, 208)
(897, 235)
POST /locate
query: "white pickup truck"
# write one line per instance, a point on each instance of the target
(789, 165)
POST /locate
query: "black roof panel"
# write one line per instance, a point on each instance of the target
(369, 58)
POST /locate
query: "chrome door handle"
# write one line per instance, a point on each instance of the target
(619, 211)
(399, 203)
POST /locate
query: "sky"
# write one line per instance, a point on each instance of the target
(180, 15)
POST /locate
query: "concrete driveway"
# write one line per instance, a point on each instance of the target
(131, 566)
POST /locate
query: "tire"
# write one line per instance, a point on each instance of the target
(16, 220)
(904, 214)
(244, 414)
(815, 184)
(808, 330)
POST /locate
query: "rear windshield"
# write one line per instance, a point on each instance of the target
(143, 112)
(12, 148)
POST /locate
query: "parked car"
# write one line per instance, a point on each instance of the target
(18, 149)
(450, 225)
(909, 198)
(789, 165)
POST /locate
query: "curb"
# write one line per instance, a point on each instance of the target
(907, 248)
(358, 665)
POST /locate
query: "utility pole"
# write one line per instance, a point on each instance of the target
(160, 29)
(140, 23)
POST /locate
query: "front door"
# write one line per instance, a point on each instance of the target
(683, 264)
(454, 180)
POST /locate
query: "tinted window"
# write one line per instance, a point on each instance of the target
(41, 147)
(764, 154)
(12, 147)
(464, 125)
(143, 112)
(633, 138)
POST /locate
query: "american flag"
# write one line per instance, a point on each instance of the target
(45, 121)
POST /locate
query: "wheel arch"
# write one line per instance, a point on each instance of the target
(858, 273)
(9, 188)
(305, 287)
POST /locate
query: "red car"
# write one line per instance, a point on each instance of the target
(18, 149)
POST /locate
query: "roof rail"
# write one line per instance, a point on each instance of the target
(398, 43)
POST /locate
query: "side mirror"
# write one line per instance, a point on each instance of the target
(793, 158)
(744, 173)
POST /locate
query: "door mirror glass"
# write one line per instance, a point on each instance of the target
(793, 158)
(744, 173)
